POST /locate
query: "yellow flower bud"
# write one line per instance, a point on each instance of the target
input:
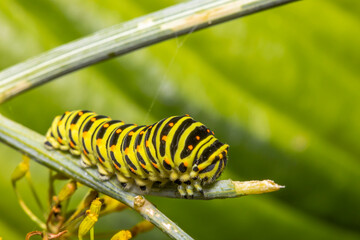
(111, 205)
(67, 191)
(141, 227)
(21, 169)
(122, 235)
(91, 218)
(90, 197)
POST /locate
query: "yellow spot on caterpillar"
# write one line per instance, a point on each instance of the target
(106, 125)
(171, 124)
(131, 133)
(100, 160)
(98, 141)
(190, 147)
(93, 119)
(119, 131)
(142, 132)
(85, 134)
(67, 112)
(59, 123)
(81, 113)
(197, 137)
(126, 151)
(163, 138)
(221, 156)
(138, 148)
(72, 126)
(147, 143)
(112, 148)
(60, 140)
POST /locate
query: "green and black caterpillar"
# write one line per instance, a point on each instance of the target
(177, 149)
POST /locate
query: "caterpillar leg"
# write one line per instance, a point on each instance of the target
(64, 147)
(85, 161)
(49, 145)
(74, 152)
(125, 182)
(160, 183)
(103, 174)
(182, 191)
(189, 191)
(186, 189)
(198, 187)
(144, 185)
(50, 142)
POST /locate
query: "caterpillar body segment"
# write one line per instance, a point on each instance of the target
(177, 149)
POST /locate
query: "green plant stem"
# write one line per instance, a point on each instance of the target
(92, 231)
(123, 38)
(33, 191)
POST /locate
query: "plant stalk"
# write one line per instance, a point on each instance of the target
(123, 38)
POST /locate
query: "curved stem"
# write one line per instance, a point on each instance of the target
(123, 38)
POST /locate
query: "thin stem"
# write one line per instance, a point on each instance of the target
(123, 38)
(51, 190)
(92, 232)
(34, 193)
(26, 209)
(21, 171)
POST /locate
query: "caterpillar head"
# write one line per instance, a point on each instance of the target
(211, 161)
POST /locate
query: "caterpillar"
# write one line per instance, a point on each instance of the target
(177, 149)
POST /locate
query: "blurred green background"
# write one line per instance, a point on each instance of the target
(281, 87)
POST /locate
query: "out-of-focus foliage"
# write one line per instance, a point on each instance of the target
(281, 87)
